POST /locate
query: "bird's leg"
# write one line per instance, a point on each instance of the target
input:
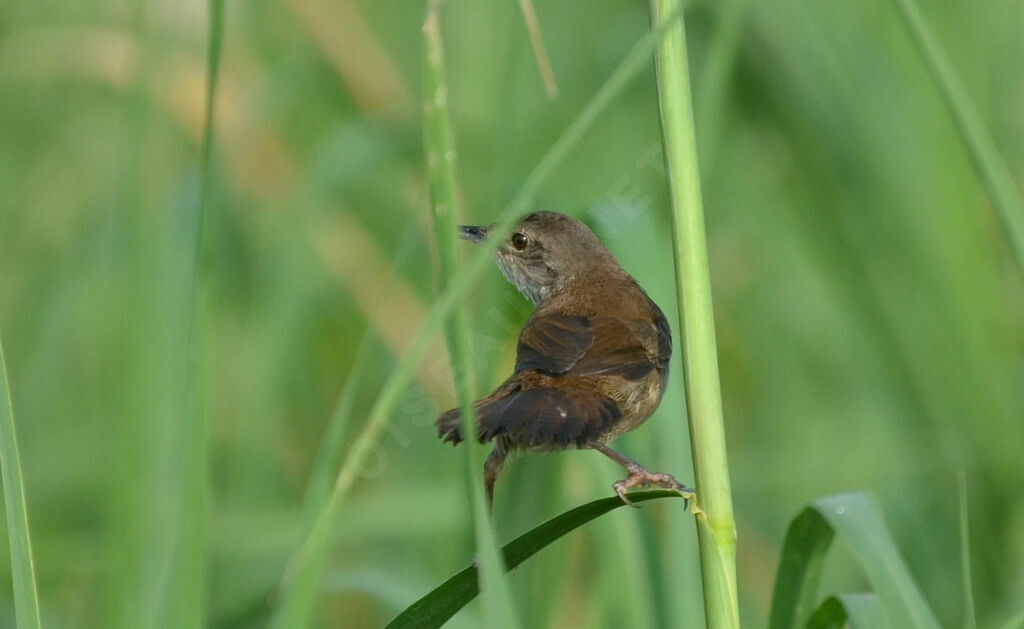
(492, 468)
(638, 475)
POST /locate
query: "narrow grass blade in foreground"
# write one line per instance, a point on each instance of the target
(970, 616)
(434, 609)
(23, 572)
(716, 530)
(990, 166)
(182, 603)
(302, 576)
(857, 520)
(439, 148)
(858, 611)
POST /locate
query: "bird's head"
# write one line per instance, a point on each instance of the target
(545, 252)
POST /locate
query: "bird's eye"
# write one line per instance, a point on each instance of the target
(519, 241)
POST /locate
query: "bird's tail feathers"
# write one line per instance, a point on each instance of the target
(449, 426)
(535, 416)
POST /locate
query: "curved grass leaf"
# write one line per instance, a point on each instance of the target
(26, 598)
(859, 611)
(856, 519)
(434, 609)
(803, 555)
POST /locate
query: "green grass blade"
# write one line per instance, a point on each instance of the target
(440, 153)
(696, 320)
(215, 44)
(970, 616)
(183, 603)
(856, 519)
(859, 611)
(987, 161)
(1017, 622)
(803, 555)
(327, 456)
(434, 609)
(303, 573)
(719, 66)
(23, 572)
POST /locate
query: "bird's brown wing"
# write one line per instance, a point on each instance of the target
(587, 346)
(553, 343)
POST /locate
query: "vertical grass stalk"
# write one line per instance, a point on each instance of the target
(23, 572)
(716, 529)
(184, 604)
(440, 153)
(995, 175)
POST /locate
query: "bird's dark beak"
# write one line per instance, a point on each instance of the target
(476, 233)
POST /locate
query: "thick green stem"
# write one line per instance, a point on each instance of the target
(715, 527)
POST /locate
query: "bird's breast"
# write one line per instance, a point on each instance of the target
(638, 399)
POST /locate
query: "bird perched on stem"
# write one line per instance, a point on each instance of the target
(592, 361)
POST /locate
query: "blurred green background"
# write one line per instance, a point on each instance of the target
(869, 312)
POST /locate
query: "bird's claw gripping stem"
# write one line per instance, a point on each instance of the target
(640, 476)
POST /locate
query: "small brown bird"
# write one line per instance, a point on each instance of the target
(592, 361)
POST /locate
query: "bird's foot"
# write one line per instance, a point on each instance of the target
(639, 476)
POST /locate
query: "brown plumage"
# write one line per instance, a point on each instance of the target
(592, 361)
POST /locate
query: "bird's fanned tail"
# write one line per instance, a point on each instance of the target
(536, 416)
(449, 426)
